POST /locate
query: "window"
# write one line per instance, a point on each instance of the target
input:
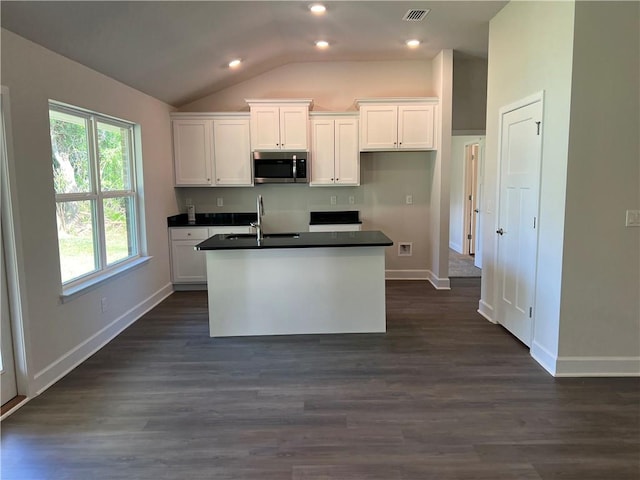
(96, 200)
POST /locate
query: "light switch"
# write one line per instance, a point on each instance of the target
(409, 199)
(633, 218)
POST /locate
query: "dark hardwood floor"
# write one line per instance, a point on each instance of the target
(443, 395)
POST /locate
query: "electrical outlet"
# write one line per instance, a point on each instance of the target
(404, 249)
(352, 199)
(633, 218)
(220, 202)
(409, 199)
(333, 199)
(103, 304)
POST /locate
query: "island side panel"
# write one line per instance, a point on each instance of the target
(296, 291)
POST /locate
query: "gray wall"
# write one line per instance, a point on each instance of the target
(469, 94)
(58, 335)
(584, 57)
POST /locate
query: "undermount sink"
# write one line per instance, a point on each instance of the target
(240, 236)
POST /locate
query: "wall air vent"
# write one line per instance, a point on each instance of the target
(416, 15)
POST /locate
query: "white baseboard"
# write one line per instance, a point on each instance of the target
(544, 357)
(437, 282)
(70, 360)
(585, 366)
(456, 247)
(486, 311)
(428, 275)
(598, 367)
(406, 274)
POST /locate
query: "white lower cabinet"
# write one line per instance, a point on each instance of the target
(336, 227)
(188, 265)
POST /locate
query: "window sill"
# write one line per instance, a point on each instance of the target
(92, 283)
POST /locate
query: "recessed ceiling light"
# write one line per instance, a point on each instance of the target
(235, 63)
(317, 8)
(413, 43)
(322, 44)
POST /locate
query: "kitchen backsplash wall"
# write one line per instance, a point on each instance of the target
(386, 180)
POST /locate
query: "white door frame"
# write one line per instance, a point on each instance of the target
(523, 102)
(13, 250)
(470, 185)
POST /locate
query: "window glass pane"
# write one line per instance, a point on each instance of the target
(113, 151)
(76, 239)
(69, 144)
(118, 228)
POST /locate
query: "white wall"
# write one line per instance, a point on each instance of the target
(530, 50)
(386, 177)
(457, 189)
(599, 310)
(61, 335)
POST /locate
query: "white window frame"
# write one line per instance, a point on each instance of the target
(76, 285)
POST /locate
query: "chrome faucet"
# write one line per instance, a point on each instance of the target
(258, 224)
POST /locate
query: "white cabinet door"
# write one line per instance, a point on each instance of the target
(294, 128)
(188, 264)
(379, 128)
(265, 128)
(279, 125)
(347, 154)
(322, 152)
(335, 155)
(232, 152)
(192, 151)
(415, 127)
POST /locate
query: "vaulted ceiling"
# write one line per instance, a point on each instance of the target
(178, 51)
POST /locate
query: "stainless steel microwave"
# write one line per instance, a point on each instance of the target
(281, 167)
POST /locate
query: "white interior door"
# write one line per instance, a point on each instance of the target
(8, 387)
(520, 155)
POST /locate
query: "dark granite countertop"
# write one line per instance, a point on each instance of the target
(369, 238)
(212, 219)
(334, 217)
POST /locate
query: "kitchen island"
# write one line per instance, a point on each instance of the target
(304, 283)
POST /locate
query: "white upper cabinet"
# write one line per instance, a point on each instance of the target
(335, 158)
(212, 150)
(397, 124)
(279, 124)
(232, 152)
(192, 151)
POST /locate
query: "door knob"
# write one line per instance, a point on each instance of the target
(476, 210)
(500, 231)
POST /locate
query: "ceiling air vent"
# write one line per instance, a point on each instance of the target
(416, 15)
